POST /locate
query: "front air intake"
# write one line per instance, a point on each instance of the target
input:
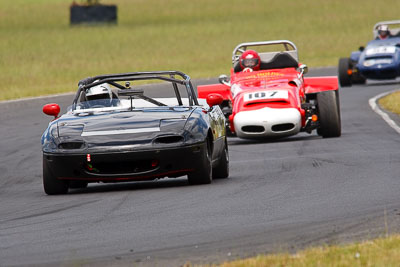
(282, 127)
(71, 145)
(267, 103)
(253, 129)
(169, 139)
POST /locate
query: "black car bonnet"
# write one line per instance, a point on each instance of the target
(121, 123)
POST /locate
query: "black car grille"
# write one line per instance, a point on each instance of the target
(121, 167)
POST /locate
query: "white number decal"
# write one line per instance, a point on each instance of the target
(381, 50)
(266, 95)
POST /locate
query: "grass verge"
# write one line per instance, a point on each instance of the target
(391, 102)
(378, 252)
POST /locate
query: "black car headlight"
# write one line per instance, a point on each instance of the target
(174, 125)
(171, 131)
(195, 130)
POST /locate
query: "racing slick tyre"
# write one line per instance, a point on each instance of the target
(329, 114)
(77, 184)
(203, 174)
(222, 170)
(344, 77)
(52, 185)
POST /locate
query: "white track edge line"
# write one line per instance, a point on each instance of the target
(373, 103)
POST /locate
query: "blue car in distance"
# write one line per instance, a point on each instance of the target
(379, 60)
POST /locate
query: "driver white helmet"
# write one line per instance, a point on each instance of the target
(383, 31)
(101, 91)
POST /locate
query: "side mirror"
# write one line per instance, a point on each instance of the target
(214, 99)
(303, 68)
(224, 80)
(361, 48)
(51, 110)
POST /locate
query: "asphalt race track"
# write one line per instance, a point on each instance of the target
(282, 195)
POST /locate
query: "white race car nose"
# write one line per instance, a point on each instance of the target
(267, 122)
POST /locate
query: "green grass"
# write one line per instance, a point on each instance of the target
(383, 252)
(41, 54)
(391, 102)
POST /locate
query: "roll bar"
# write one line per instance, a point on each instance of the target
(169, 76)
(239, 49)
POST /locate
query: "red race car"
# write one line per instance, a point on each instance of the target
(268, 96)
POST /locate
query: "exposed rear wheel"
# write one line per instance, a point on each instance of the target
(344, 67)
(329, 114)
(222, 170)
(51, 185)
(203, 174)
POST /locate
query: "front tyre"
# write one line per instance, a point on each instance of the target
(329, 114)
(203, 173)
(52, 185)
(344, 76)
(222, 170)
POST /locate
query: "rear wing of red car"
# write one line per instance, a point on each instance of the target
(312, 85)
(224, 90)
(320, 84)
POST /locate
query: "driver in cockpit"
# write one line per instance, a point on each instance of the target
(249, 61)
(101, 95)
(383, 32)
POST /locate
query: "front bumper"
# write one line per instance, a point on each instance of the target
(267, 122)
(380, 72)
(126, 166)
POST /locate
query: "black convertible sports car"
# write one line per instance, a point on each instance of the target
(116, 132)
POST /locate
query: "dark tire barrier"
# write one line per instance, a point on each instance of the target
(93, 14)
